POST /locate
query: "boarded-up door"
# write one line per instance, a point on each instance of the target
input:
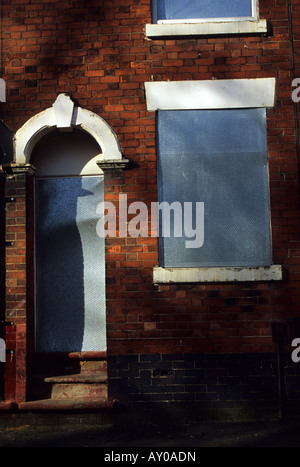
(70, 265)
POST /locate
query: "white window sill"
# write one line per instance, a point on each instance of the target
(206, 28)
(235, 274)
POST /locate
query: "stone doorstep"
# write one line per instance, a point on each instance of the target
(80, 378)
(93, 372)
(78, 391)
(86, 355)
(67, 404)
(77, 386)
(91, 366)
(71, 392)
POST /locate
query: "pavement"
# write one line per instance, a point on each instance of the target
(262, 433)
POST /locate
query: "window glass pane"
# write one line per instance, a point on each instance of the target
(219, 158)
(180, 9)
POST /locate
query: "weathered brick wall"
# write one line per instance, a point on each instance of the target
(98, 53)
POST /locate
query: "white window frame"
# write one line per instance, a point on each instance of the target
(253, 17)
(209, 26)
(215, 94)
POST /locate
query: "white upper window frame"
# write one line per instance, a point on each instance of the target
(209, 26)
(253, 17)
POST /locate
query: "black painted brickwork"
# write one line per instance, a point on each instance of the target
(208, 381)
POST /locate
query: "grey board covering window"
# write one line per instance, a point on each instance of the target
(204, 9)
(219, 158)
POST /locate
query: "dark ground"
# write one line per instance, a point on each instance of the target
(270, 433)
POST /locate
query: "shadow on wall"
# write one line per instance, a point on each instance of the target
(56, 39)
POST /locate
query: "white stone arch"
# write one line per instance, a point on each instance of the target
(65, 116)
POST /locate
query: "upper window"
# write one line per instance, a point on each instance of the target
(204, 10)
(175, 18)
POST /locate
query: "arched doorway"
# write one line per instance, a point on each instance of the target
(62, 150)
(66, 146)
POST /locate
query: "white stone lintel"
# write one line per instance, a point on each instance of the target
(210, 94)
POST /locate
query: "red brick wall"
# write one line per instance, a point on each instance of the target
(16, 287)
(98, 53)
